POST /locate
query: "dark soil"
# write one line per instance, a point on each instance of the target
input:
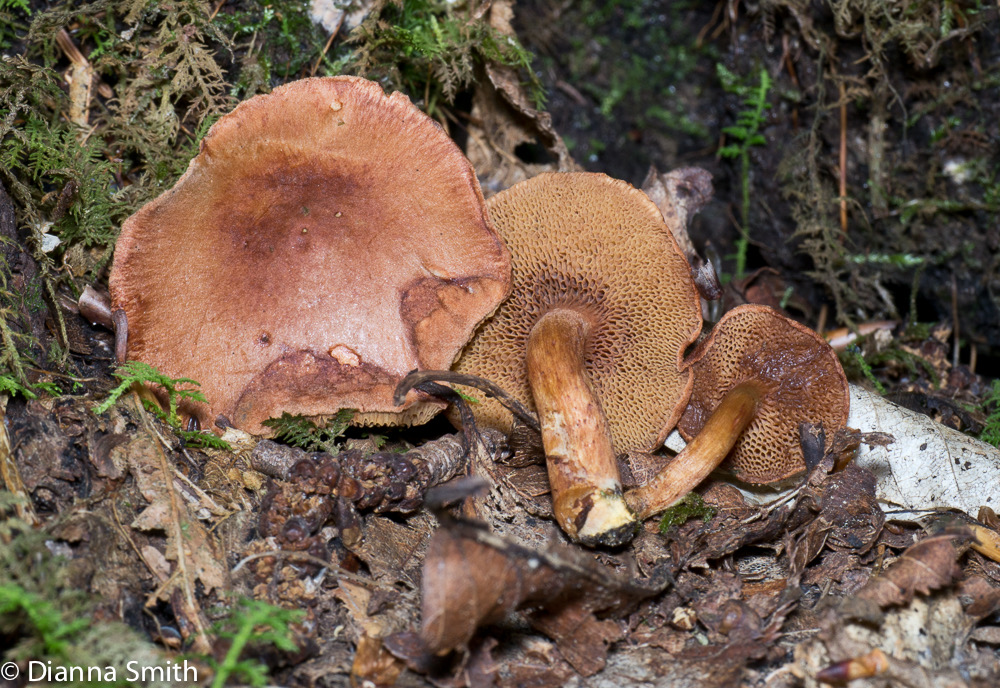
(614, 68)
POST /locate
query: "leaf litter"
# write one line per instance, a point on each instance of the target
(484, 592)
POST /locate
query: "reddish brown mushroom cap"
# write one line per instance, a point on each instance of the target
(797, 374)
(326, 240)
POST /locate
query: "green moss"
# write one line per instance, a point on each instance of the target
(631, 63)
(278, 42)
(177, 389)
(991, 404)
(430, 49)
(45, 617)
(301, 432)
(857, 366)
(691, 506)
(12, 21)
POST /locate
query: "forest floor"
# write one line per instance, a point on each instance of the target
(854, 149)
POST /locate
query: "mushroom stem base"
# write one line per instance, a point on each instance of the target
(701, 456)
(583, 474)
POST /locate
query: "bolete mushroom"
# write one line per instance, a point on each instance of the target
(757, 377)
(602, 309)
(327, 239)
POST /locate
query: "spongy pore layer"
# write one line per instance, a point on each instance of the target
(597, 245)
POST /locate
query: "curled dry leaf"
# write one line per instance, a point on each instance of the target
(680, 194)
(505, 122)
(928, 565)
(193, 552)
(373, 664)
(473, 578)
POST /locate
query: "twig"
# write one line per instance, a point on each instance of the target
(306, 557)
(329, 42)
(843, 161)
(418, 377)
(81, 78)
(218, 6)
(954, 320)
(201, 637)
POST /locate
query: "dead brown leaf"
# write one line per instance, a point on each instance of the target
(928, 565)
(192, 550)
(473, 578)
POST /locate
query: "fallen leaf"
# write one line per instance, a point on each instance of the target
(929, 466)
(928, 565)
(473, 578)
(374, 666)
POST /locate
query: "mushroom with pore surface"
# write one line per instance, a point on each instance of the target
(327, 239)
(602, 309)
(757, 377)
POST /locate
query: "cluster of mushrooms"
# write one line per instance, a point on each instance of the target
(328, 239)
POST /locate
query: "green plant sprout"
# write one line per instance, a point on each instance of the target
(299, 431)
(10, 11)
(9, 385)
(746, 133)
(853, 360)
(257, 621)
(177, 389)
(429, 49)
(53, 629)
(991, 428)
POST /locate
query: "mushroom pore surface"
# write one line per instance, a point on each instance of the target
(798, 377)
(599, 247)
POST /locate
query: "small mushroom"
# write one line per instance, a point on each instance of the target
(602, 309)
(327, 239)
(757, 377)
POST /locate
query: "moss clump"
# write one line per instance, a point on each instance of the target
(430, 50)
(691, 506)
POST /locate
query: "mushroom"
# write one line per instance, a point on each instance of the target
(327, 239)
(757, 377)
(602, 309)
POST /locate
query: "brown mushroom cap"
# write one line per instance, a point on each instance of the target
(799, 378)
(597, 245)
(326, 240)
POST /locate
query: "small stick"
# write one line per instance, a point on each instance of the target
(954, 318)
(120, 321)
(329, 42)
(218, 6)
(418, 377)
(821, 322)
(81, 81)
(843, 161)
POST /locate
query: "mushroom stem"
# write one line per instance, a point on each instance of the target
(583, 475)
(701, 456)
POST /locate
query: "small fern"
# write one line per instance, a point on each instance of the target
(299, 431)
(177, 389)
(257, 621)
(746, 134)
(137, 372)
